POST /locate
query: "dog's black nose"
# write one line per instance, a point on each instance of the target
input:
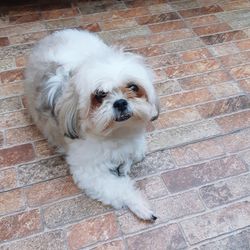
(120, 105)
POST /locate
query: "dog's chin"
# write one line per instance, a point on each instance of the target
(123, 117)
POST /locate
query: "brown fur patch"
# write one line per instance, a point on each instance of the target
(141, 93)
(94, 103)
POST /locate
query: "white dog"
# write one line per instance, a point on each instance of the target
(94, 101)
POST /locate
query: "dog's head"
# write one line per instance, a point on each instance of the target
(111, 93)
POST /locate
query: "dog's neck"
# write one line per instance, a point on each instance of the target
(122, 133)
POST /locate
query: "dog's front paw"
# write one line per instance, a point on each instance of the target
(143, 211)
(138, 158)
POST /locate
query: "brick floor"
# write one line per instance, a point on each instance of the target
(197, 171)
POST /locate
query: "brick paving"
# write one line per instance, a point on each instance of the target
(197, 171)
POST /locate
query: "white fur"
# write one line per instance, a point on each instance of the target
(64, 71)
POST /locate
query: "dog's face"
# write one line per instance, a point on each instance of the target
(114, 94)
(126, 105)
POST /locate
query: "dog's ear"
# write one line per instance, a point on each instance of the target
(156, 109)
(61, 100)
(152, 95)
(50, 95)
(68, 113)
(54, 80)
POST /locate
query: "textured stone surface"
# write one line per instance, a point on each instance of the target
(27, 38)
(43, 149)
(236, 141)
(8, 179)
(225, 89)
(224, 49)
(58, 13)
(202, 20)
(210, 29)
(153, 163)
(225, 191)
(207, 79)
(4, 41)
(100, 228)
(14, 119)
(245, 156)
(173, 25)
(198, 151)
(218, 222)
(241, 71)
(42, 170)
(48, 191)
(201, 11)
(235, 59)
(167, 88)
(195, 55)
(183, 5)
(10, 104)
(110, 36)
(169, 237)
(188, 44)
(192, 68)
(181, 135)
(181, 179)
(163, 61)
(16, 155)
(17, 50)
(235, 121)
(152, 187)
(20, 225)
(22, 29)
(237, 241)
(1, 139)
(224, 106)
(7, 64)
(11, 90)
(96, 7)
(22, 135)
(11, 201)
(245, 85)
(185, 99)
(177, 117)
(224, 37)
(50, 241)
(170, 36)
(243, 45)
(163, 17)
(72, 210)
(12, 75)
(113, 245)
(118, 24)
(60, 24)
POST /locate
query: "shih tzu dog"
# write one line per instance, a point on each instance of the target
(94, 102)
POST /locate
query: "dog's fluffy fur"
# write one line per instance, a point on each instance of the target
(93, 101)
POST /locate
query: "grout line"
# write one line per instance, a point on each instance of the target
(195, 188)
(222, 236)
(185, 217)
(211, 119)
(200, 139)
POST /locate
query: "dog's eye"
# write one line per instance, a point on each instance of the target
(99, 95)
(133, 87)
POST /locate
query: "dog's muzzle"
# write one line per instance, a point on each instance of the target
(122, 110)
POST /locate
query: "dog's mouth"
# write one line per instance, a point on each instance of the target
(123, 117)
